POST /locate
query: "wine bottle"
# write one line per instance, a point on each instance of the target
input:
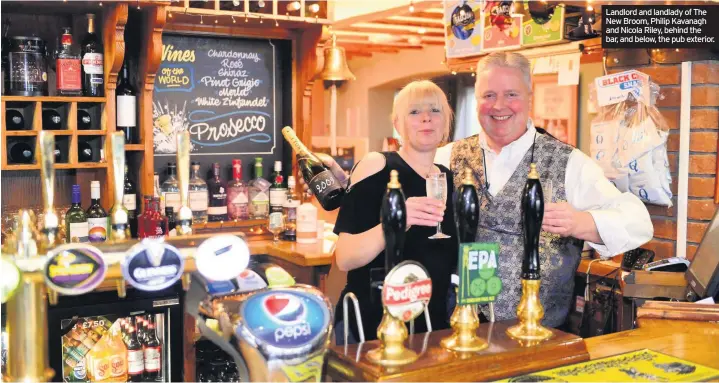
(324, 185)
(76, 219)
(394, 222)
(126, 106)
(51, 120)
(129, 200)
(466, 208)
(14, 120)
(84, 151)
(21, 152)
(68, 64)
(92, 62)
(84, 120)
(532, 214)
(96, 215)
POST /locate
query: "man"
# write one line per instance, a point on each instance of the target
(584, 205)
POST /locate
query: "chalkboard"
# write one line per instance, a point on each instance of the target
(228, 93)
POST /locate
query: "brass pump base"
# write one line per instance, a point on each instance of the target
(530, 313)
(392, 333)
(464, 322)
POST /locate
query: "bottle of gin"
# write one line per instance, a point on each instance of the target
(217, 211)
(238, 196)
(278, 192)
(96, 215)
(259, 193)
(76, 219)
(198, 195)
(170, 189)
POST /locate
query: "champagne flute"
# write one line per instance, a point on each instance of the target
(276, 225)
(437, 189)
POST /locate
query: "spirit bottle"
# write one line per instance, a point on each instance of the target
(237, 194)
(217, 211)
(198, 195)
(278, 193)
(170, 189)
(259, 193)
(289, 210)
(69, 71)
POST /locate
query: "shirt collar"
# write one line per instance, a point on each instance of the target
(521, 144)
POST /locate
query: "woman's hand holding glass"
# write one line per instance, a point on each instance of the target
(437, 190)
(424, 211)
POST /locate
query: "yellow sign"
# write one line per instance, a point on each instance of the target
(638, 366)
(308, 371)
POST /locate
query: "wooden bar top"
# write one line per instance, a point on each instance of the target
(504, 357)
(695, 341)
(600, 268)
(315, 254)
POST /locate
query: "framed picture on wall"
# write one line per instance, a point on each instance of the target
(555, 108)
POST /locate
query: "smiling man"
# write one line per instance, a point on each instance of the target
(584, 206)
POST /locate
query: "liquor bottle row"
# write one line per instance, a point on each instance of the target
(216, 200)
(127, 350)
(78, 72)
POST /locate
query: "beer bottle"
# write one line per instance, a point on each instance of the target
(135, 357)
(153, 354)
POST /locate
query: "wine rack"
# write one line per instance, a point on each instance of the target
(68, 136)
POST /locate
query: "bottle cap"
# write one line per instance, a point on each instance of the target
(278, 166)
(468, 177)
(533, 173)
(291, 182)
(195, 163)
(258, 161)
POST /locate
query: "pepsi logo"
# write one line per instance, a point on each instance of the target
(284, 308)
(286, 319)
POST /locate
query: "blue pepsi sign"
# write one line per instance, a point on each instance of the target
(285, 318)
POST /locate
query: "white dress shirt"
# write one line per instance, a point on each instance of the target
(622, 220)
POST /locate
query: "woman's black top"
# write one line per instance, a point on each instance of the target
(360, 211)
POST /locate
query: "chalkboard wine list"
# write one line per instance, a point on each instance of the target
(324, 185)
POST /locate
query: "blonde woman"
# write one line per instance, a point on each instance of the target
(422, 117)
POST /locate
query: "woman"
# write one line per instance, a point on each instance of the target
(422, 116)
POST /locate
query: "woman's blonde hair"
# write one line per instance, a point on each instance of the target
(421, 92)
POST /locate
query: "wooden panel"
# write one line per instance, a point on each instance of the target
(503, 358)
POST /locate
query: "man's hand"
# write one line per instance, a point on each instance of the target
(334, 168)
(424, 211)
(566, 221)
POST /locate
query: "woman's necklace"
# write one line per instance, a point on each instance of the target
(422, 172)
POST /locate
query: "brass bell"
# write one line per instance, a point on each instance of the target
(335, 68)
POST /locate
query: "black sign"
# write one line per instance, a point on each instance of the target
(227, 93)
(153, 265)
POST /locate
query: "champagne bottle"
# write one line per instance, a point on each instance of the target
(324, 185)
(466, 208)
(394, 222)
(532, 214)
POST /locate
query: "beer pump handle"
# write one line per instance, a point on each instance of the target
(51, 220)
(118, 215)
(184, 215)
(394, 222)
(533, 213)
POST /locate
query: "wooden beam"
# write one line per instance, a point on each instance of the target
(419, 6)
(368, 44)
(388, 36)
(392, 28)
(418, 20)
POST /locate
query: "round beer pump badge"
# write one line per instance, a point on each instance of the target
(74, 269)
(407, 290)
(153, 265)
(222, 257)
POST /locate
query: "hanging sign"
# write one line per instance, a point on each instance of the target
(541, 30)
(501, 26)
(222, 257)
(463, 31)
